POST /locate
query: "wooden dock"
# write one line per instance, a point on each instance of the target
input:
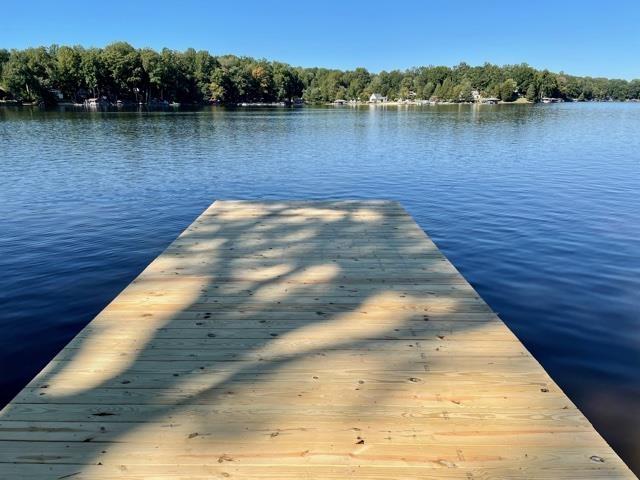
(298, 340)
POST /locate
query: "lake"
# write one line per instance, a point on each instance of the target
(537, 205)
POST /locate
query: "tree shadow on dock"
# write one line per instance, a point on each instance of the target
(290, 340)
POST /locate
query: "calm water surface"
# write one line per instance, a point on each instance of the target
(538, 206)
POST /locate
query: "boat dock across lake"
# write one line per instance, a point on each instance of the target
(299, 340)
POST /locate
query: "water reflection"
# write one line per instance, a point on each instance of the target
(536, 205)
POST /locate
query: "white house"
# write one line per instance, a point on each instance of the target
(377, 98)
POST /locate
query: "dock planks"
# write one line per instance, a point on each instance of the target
(298, 340)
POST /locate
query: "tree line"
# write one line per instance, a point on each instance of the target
(121, 72)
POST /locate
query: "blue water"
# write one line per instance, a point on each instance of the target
(538, 206)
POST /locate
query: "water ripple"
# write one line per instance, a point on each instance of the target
(538, 206)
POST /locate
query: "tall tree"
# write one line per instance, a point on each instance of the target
(466, 91)
(546, 84)
(427, 91)
(508, 90)
(124, 68)
(531, 92)
(68, 72)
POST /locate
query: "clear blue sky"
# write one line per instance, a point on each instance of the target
(598, 38)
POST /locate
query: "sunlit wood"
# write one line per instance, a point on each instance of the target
(290, 340)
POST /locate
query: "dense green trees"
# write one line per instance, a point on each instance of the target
(122, 72)
(508, 90)
(28, 73)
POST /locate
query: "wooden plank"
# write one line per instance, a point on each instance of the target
(293, 339)
(369, 470)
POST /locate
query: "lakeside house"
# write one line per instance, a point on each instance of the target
(478, 98)
(96, 102)
(377, 98)
(339, 101)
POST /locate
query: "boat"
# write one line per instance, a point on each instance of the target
(552, 100)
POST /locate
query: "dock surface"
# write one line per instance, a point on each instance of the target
(299, 340)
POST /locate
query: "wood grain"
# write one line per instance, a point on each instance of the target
(294, 339)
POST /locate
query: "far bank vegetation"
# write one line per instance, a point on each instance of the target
(119, 72)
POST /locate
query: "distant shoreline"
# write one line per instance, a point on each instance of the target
(174, 107)
(123, 75)
(422, 103)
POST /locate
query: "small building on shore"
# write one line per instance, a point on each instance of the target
(551, 100)
(490, 100)
(96, 102)
(377, 98)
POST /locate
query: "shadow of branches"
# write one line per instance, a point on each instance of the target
(289, 340)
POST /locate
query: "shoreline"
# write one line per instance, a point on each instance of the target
(422, 103)
(151, 106)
